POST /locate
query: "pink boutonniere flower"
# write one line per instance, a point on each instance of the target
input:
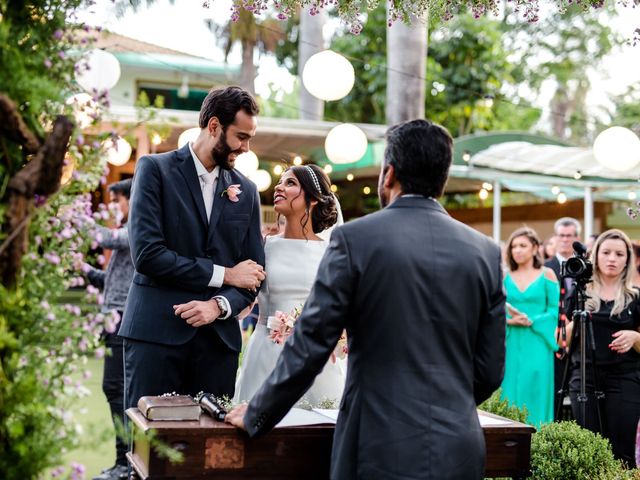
(232, 192)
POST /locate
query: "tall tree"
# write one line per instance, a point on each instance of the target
(406, 62)
(563, 47)
(253, 35)
(311, 42)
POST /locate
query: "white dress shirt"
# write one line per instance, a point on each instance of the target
(217, 276)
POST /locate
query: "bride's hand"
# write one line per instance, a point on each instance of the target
(236, 416)
(198, 313)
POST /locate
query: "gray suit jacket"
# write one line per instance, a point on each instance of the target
(421, 297)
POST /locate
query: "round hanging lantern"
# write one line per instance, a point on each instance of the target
(85, 109)
(118, 152)
(345, 143)
(103, 71)
(247, 163)
(617, 148)
(187, 136)
(328, 75)
(262, 179)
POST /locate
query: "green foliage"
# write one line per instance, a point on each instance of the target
(627, 109)
(498, 406)
(563, 450)
(43, 341)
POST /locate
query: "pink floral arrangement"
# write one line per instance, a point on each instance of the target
(342, 348)
(232, 192)
(282, 325)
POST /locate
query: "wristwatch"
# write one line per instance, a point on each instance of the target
(222, 306)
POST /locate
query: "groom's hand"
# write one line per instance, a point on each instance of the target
(236, 416)
(198, 313)
(247, 274)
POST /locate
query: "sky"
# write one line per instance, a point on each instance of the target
(181, 26)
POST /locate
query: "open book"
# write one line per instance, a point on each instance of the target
(298, 417)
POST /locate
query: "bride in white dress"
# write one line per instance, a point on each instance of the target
(303, 196)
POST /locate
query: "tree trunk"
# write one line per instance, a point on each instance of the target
(560, 105)
(248, 68)
(310, 42)
(406, 68)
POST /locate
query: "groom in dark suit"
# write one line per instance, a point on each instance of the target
(194, 230)
(420, 295)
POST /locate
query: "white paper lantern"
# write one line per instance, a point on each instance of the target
(84, 109)
(187, 136)
(328, 75)
(345, 143)
(262, 179)
(617, 148)
(103, 72)
(247, 163)
(118, 152)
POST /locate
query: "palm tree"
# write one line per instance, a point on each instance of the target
(252, 34)
(406, 68)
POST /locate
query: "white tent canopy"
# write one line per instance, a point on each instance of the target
(554, 160)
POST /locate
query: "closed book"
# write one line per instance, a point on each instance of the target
(175, 407)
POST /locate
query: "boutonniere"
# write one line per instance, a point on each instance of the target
(232, 192)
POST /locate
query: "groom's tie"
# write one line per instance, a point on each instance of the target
(208, 189)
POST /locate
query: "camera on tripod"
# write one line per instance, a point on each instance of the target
(578, 267)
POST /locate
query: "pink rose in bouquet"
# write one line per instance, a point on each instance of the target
(342, 348)
(282, 325)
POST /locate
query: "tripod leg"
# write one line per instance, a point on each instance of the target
(598, 394)
(564, 385)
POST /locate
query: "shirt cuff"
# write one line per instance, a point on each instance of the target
(226, 304)
(217, 278)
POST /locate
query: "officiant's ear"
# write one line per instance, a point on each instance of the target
(389, 176)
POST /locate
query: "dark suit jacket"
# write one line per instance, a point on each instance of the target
(174, 248)
(421, 297)
(554, 264)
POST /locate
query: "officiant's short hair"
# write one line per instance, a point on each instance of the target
(224, 103)
(421, 153)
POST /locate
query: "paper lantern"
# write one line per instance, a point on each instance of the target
(328, 75)
(118, 152)
(103, 71)
(262, 179)
(84, 108)
(617, 148)
(345, 143)
(247, 163)
(187, 136)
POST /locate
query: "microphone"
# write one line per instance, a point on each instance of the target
(579, 248)
(211, 406)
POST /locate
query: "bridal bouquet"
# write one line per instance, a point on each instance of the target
(281, 325)
(342, 348)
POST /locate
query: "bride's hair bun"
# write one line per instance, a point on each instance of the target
(317, 186)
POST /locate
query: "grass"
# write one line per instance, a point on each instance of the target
(97, 440)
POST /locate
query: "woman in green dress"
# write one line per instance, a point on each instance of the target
(533, 294)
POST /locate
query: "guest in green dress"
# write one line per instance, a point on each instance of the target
(532, 314)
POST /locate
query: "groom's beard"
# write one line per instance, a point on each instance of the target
(221, 153)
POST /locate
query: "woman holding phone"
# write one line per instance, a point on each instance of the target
(533, 294)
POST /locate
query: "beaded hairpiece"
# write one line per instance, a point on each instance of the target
(314, 178)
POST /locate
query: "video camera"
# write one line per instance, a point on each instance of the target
(578, 267)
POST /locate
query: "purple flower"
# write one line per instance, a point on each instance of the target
(57, 34)
(62, 54)
(52, 258)
(99, 353)
(48, 63)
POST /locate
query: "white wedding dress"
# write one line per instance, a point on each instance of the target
(291, 267)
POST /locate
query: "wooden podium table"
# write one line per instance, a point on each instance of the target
(217, 450)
